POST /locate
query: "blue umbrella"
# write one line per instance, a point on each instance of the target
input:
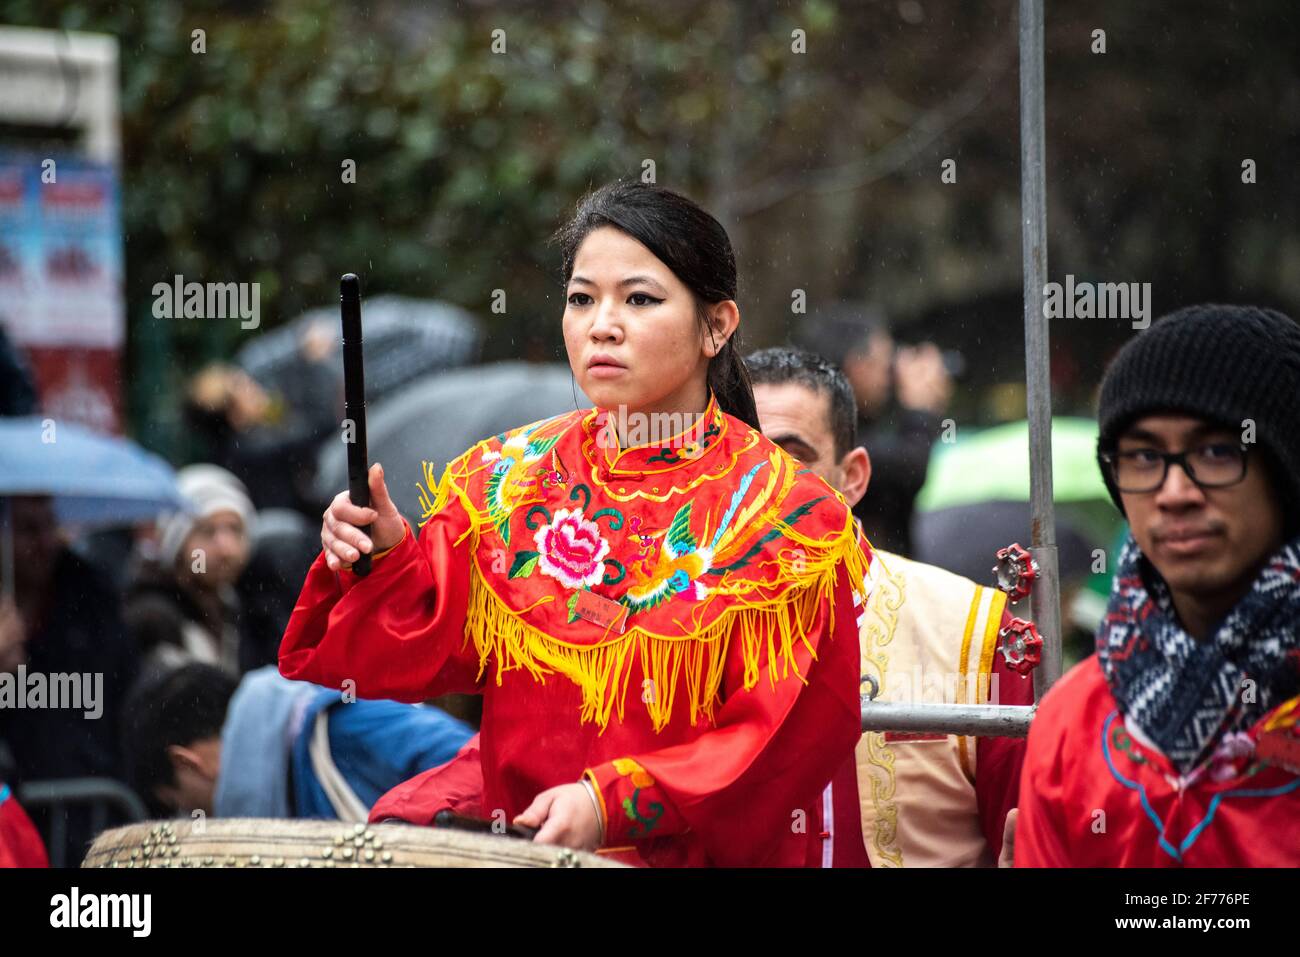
(94, 479)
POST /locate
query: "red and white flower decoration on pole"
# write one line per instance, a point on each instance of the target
(571, 549)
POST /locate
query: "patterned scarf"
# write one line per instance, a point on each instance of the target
(1184, 694)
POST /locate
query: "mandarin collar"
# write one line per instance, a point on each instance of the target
(666, 453)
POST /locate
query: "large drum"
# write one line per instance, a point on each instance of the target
(260, 842)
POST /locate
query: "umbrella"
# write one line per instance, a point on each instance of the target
(440, 416)
(94, 479)
(994, 465)
(976, 500)
(405, 338)
(965, 539)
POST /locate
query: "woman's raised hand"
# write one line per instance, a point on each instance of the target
(340, 534)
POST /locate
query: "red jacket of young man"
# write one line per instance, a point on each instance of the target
(1093, 795)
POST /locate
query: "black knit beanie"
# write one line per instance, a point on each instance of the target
(1224, 364)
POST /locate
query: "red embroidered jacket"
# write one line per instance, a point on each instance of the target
(673, 621)
(1092, 795)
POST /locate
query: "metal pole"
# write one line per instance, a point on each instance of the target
(984, 720)
(1045, 599)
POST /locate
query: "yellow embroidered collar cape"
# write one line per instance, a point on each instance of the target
(585, 554)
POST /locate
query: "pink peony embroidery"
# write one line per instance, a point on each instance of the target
(571, 549)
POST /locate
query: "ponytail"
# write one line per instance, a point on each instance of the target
(729, 382)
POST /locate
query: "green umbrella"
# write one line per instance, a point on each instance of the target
(993, 465)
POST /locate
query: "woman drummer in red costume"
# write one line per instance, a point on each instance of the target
(656, 602)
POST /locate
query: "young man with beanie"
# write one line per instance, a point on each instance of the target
(1177, 744)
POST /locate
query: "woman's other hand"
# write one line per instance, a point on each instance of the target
(564, 815)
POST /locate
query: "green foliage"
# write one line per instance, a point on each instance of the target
(466, 159)
(823, 165)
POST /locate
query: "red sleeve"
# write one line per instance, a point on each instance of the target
(20, 843)
(998, 760)
(455, 786)
(1040, 832)
(399, 632)
(772, 749)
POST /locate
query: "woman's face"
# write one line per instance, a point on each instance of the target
(631, 330)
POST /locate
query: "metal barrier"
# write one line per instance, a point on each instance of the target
(987, 720)
(102, 794)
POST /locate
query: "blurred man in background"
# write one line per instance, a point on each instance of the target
(65, 620)
(284, 546)
(902, 394)
(926, 635)
(269, 441)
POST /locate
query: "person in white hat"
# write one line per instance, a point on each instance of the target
(183, 607)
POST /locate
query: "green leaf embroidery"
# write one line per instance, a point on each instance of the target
(641, 825)
(680, 539)
(523, 565)
(744, 559)
(539, 447)
(573, 607)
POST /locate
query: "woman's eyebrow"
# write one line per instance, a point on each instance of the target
(629, 281)
(633, 280)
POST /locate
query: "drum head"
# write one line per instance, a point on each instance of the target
(259, 842)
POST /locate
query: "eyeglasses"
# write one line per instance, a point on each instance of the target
(1213, 465)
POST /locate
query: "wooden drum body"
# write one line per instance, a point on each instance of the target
(264, 842)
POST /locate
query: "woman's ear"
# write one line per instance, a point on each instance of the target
(724, 319)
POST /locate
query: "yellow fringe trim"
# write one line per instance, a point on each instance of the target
(766, 618)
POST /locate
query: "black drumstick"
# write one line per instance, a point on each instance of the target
(447, 818)
(354, 404)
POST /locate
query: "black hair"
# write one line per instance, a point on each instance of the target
(693, 245)
(177, 707)
(777, 366)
